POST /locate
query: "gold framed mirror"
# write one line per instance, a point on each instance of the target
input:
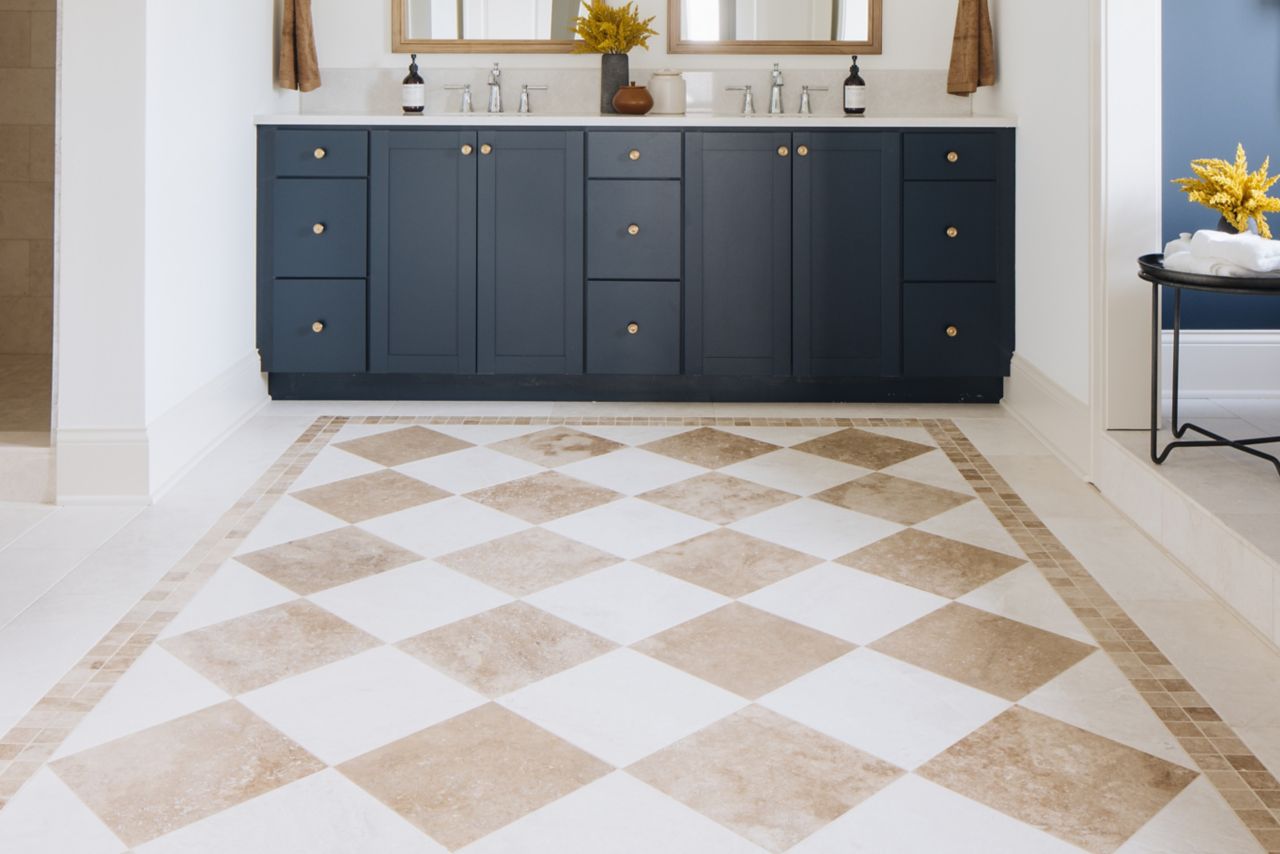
(775, 26)
(477, 26)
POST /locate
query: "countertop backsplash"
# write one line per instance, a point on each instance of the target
(576, 91)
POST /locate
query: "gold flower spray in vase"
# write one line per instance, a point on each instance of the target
(1232, 190)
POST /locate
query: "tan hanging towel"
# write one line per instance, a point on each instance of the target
(299, 68)
(973, 53)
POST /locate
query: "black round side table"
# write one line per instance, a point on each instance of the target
(1153, 271)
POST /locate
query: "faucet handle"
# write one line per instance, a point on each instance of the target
(466, 106)
(748, 98)
(806, 103)
(524, 94)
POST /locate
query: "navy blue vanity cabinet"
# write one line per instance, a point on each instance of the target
(530, 275)
(422, 252)
(846, 252)
(738, 253)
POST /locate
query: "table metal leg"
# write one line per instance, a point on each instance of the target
(1175, 423)
(1155, 373)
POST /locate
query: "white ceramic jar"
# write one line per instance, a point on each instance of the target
(668, 91)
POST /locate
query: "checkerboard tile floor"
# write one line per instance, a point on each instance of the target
(604, 638)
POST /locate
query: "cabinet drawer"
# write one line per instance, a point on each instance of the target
(633, 154)
(321, 154)
(337, 210)
(949, 156)
(338, 306)
(633, 230)
(952, 330)
(950, 231)
(651, 309)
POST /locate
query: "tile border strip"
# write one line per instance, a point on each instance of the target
(1244, 782)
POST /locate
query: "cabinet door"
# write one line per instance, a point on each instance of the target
(422, 265)
(845, 254)
(531, 279)
(738, 253)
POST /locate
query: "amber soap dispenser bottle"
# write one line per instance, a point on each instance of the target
(855, 92)
(413, 94)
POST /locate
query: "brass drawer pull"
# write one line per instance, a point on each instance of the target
(953, 157)
(318, 229)
(783, 151)
(802, 150)
(633, 229)
(633, 329)
(467, 149)
(953, 331)
(486, 149)
(320, 154)
(317, 327)
(953, 232)
(635, 154)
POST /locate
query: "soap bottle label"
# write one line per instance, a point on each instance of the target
(414, 96)
(855, 97)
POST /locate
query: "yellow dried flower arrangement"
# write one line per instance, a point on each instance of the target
(611, 29)
(1232, 190)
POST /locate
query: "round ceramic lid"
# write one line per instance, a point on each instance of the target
(667, 72)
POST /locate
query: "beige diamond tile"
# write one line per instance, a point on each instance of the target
(544, 497)
(169, 776)
(997, 655)
(710, 448)
(718, 498)
(861, 448)
(903, 501)
(557, 447)
(766, 777)
(505, 649)
(360, 499)
(744, 650)
(532, 560)
(399, 447)
(266, 646)
(328, 560)
(730, 563)
(939, 565)
(1081, 787)
(469, 776)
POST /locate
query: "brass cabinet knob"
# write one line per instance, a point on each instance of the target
(320, 154)
(953, 232)
(953, 331)
(317, 229)
(633, 229)
(486, 149)
(633, 329)
(953, 157)
(783, 151)
(467, 149)
(635, 154)
(802, 150)
(317, 327)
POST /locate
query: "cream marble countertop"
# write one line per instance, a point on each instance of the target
(693, 120)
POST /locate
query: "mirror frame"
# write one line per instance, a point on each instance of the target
(400, 43)
(873, 45)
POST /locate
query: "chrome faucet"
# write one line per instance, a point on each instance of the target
(524, 95)
(495, 89)
(775, 95)
(466, 106)
(748, 99)
(806, 103)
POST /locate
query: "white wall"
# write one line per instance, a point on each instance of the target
(357, 34)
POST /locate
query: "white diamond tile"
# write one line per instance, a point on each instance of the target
(632, 471)
(322, 814)
(233, 591)
(45, 817)
(853, 605)
(358, 431)
(1197, 821)
(158, 688)
(783, 437)
(886, 707)
(410, 600)
(919, 435)
(443, 527)
(619, 815)
(796, 472)
(485, 434)
(622, 706)
(331, 465)
(934, 469)
(627, 602)
(634, 435)
(289, 520)
(469, 470)
(914, 816)
(817, 528)
(1024, 595)
(973, 523)
(353, 706)
(630, 528)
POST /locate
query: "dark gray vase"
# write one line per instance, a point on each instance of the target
(615, 71)
(1227, 227)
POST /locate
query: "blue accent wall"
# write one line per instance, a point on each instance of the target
(1221, 86)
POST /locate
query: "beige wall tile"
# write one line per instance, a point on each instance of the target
(15, 269)
(28, 5)
(40, 265)
(15, 39)
(26, 96)
(41, 146)
(44, 35)
(28, 325)
(15, 153)
(26, 211)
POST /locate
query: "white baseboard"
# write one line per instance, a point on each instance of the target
(1056, 417)
(137, 466)
(1229, 364)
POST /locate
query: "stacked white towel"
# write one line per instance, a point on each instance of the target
(1216, 253)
